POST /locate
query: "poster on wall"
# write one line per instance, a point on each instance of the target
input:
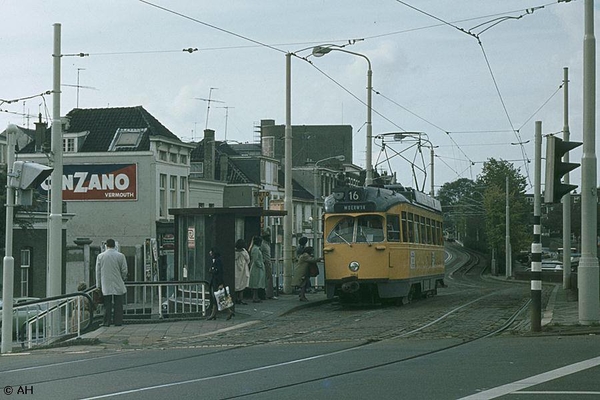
(191, 237)
(97, 182)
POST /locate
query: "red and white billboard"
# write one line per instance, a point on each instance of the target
(98, 182)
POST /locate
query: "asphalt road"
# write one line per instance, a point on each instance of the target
(407, 369)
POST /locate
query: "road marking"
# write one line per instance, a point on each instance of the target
(559, 392)
(515, 387)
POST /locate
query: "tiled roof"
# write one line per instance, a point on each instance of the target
(102, 124)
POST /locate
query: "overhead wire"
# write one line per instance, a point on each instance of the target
(489, 25)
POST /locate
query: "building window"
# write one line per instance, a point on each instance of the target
(173, 191)
(183, 159)
(173, 157)
(162, 196)
(69, 145)
(25, 264)
(126, 139)
(162, 155)
(197, 170)
(183, 192)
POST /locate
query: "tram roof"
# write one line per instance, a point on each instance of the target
(377, 198)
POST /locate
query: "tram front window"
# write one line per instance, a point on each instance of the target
(342, 232)
(369, 228)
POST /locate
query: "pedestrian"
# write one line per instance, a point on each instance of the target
(242, 270)
(301, 276)
(111, 272)
(301, 245)
(257, 269)
(81, 310)
(265, 249)
(217, 282)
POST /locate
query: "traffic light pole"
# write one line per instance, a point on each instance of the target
(566, 200)
(536, 246)
(9, 261)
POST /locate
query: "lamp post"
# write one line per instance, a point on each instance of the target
(320, 51)
(316, 192)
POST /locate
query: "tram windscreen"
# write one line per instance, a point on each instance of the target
(363, 229)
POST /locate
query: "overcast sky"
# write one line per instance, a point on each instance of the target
(472, 89)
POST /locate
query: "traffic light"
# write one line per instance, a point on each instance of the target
(556, 148)
(26, 176)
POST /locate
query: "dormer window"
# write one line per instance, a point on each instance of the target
(72, 141)
(127, 139)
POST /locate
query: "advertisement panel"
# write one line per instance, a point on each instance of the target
(98, 182)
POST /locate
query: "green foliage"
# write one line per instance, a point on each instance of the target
(493, 179)
(475, 211)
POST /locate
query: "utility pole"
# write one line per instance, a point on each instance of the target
(587, 276)
(288, 192)
(566, 200)
(54, 273)
(508, 250)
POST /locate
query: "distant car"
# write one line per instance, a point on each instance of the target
(24, 313)
(552, 266)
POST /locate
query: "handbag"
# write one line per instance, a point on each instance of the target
(223, 297)
(313, 270)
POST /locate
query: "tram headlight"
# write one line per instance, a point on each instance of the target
(354, 266)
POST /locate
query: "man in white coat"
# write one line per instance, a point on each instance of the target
(111, 272)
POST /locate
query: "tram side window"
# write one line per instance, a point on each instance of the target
(404, 227)
(369, 229)
(434, 229)
(342, 232)
(393, 228)
(412, 233)
(428, 228)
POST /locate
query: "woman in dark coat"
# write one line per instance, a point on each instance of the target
(216, 282)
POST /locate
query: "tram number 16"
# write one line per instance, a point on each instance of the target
(354, 195)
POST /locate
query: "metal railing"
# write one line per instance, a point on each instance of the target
(46, 321)
(166, 299)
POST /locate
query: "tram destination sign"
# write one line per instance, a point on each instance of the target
(365, 206)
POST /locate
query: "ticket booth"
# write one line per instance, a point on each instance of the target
(197, 230)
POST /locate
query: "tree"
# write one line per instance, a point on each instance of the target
(493, 180)
(463, 211)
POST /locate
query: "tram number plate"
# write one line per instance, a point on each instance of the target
(354, 195)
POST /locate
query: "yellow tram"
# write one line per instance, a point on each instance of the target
(382, 244)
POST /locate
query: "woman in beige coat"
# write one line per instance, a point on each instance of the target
(242, 270)
(301, 276)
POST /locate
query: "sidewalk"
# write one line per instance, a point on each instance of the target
(560, 317)
(139, 335)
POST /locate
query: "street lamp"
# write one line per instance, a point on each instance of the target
(320, 51)
(315, 216)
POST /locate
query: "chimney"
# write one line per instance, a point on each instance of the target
(209, 154)
(223, 165)
(40, 134)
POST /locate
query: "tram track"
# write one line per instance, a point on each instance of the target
(461, 313)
